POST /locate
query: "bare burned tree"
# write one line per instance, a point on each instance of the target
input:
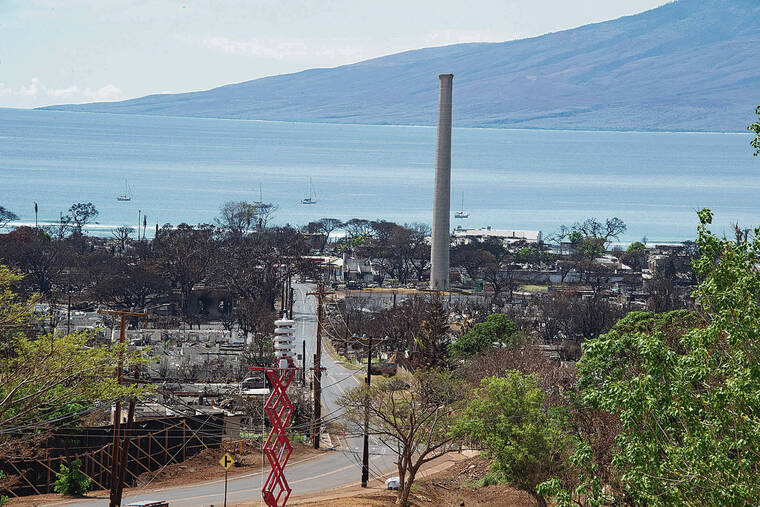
(37, 255)
(472, 258)
(127, 282)
(419, 249)
(325, 227)
(122, 234)
(410, 416)
(358, 227)
(184, 254)
(240, 218)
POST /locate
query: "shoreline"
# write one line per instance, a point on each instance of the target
(392, 125)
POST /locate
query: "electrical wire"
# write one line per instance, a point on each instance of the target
(44, 424)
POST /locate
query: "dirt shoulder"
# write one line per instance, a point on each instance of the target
(454, 484)
(200, 468)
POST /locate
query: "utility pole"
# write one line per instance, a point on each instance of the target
(116, 461)
(365, 456)
(126, 441)
(303, 365)
(318, 364)
(68, 315)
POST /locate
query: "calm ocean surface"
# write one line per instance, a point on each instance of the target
(184, 169)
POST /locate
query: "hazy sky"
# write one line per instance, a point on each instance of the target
(60, 51)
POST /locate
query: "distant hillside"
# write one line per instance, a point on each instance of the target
(688, 65)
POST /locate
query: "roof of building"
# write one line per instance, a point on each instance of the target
(498, 233)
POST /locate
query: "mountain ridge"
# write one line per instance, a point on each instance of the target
(684, 66)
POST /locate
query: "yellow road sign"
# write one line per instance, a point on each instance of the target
(226, 461)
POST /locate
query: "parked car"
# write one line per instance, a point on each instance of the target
(391, 483)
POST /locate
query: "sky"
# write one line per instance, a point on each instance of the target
(67, 51)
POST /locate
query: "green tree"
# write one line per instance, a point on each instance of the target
(755, 127)
(3, 498)
(497, 329)
(71, 481)
(42, 376)
(686, 387)
(527, 442)
(184, 254)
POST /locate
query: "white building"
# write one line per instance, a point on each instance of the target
(507, 236)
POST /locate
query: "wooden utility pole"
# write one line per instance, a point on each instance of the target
(303, 365)
(318, 364)
(117, 476)
(365, 455)
(126, 441)
(68, 315)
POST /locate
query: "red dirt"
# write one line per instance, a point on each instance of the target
(453, 486)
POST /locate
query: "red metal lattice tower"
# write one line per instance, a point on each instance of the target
(275, 489)
(277, 447)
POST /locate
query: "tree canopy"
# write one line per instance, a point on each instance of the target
(44, 378)
(497, 329)
(528, 444)
(686, 388)
(755, 127)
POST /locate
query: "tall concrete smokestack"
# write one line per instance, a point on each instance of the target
(439, 253)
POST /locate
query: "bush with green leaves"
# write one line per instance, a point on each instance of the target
(497, 329)
(3, 498)
(71, 481)
(686, 388)
(755, 127)
(527, 442)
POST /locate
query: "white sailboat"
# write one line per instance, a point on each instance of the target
(127, 195)
(311, 199)
(462, 213)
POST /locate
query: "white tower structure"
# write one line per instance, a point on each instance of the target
(284, 341)
(439, 252)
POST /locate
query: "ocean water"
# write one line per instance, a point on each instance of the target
(184, 169)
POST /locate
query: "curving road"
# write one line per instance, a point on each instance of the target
(321, 473)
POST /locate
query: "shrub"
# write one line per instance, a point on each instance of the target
(498, 329)
(71, 480)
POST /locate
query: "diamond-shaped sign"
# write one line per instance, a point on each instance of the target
(226, 461)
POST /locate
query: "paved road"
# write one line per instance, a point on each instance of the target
(317, 474)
